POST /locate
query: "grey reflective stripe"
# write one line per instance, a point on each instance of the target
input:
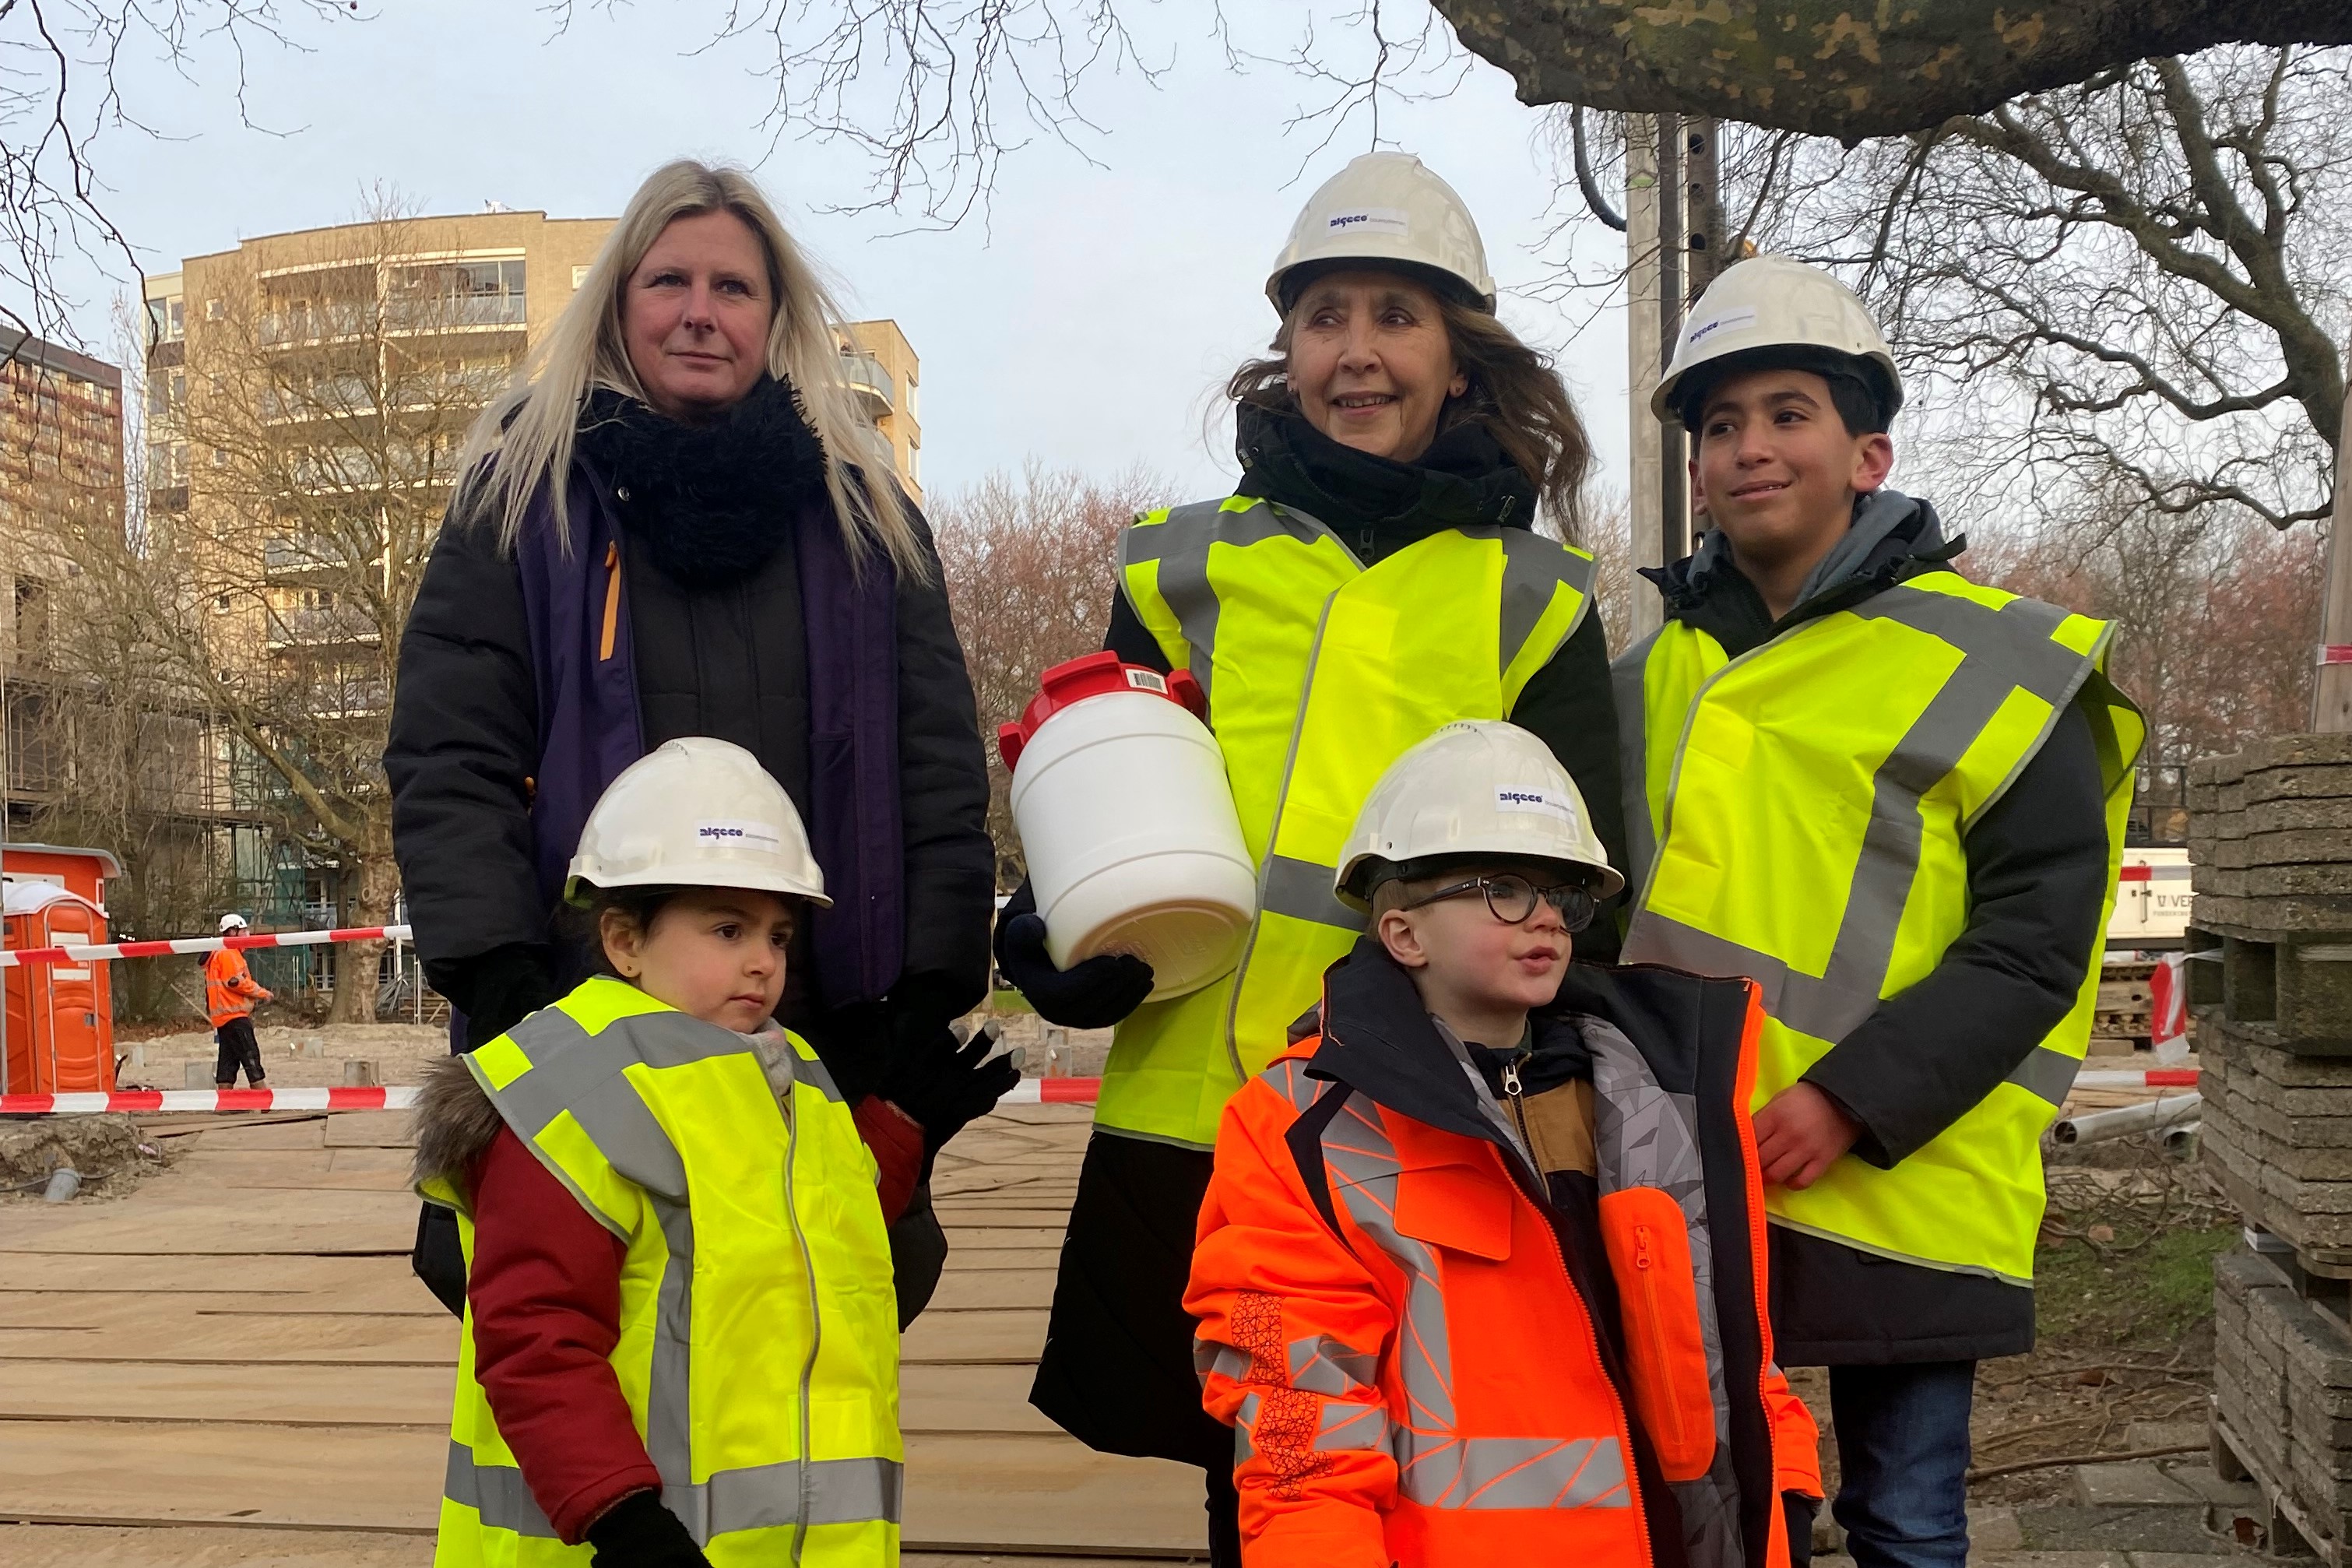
(807, 1069)
(1812, 1005)
(1511, 1472)
(1321, 1364)
(2003, 650)
(1345, 1427)
(1289, 1079)
(762, 1496)
(1533, 569)
(495, 1492)
(2048, 1073)
(1627, 683)
(1359, 1152)
(1180, 545)
(766, 1497)
(1302, 889)
(1228, 1362)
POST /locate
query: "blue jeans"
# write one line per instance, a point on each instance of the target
(1903, 1459)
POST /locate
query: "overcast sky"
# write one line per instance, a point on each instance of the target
(1084, 319)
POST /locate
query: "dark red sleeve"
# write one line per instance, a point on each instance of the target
(546, 1293)
(896, 1140)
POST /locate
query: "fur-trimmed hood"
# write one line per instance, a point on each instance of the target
(454, 1122)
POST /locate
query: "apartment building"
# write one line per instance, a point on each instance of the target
(60, 466)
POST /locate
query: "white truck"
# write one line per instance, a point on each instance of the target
(2151, 901)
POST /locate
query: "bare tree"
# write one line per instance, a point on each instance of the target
(2140, 281)
(2212, 611)
(1829, 67)
(60, 96)
(311, 434)
(1029, 574)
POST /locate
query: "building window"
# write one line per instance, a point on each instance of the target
(216, 309)
(915, 462)
(579, 276)
(220, 602)
(167, 319)
(913, 402)
(220, 457)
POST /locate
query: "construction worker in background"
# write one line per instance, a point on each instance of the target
(1376, 575)
(1475, 1275)
(230, 996)
(1896, 799)
(681, 1338)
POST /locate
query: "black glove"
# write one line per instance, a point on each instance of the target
(943, 1082)
(1799, 1508)
(638, 1532)
(498, 989)
(1093, 995)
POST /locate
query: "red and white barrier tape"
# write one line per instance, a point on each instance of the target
(148, 1101)
(106, 950)
(1053, 1092)
(2137, 1078)
(152, 1101)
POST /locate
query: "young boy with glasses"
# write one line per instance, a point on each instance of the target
(1479, 1271)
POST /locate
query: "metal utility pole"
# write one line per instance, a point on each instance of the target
(2331, 694)
(1674, 248)
(1645, 359)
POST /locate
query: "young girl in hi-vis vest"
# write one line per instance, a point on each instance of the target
(681, 1336)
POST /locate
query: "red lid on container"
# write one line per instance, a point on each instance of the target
(1095, 675)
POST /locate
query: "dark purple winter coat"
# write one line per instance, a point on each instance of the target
(521, 695)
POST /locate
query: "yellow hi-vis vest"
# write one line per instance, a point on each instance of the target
(1319, 673)
(758, 1348)
(1797, 816)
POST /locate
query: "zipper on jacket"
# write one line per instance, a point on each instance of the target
(1518, 1106)
(816, 1317)
(1653, 1331)
(612, 598)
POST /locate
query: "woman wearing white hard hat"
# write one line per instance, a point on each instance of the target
(1376, 574)
(676, 522)
(682, 1339)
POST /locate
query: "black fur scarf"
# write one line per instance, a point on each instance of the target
(709, 503)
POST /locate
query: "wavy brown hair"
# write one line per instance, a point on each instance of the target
(1514, 392)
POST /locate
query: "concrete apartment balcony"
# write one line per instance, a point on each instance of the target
(877, 393)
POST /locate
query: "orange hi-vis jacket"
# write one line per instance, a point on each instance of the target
(230, 989)
(1403, 1295)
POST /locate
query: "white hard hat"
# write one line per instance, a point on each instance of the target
(1479, 787)
(231, 922)
(1777, 304)
(1381, 210)
(696, 813)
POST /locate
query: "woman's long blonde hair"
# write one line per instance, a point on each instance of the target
(524, 438)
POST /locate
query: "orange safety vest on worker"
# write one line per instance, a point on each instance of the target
(230, 989)
(1403, 1317)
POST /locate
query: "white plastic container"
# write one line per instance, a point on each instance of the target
(1120, 799)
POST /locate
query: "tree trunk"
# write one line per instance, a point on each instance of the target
(1829, 67)
(374, 884)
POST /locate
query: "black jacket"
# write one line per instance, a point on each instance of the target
(723, 657)
(2037, 868)
(1378, 507)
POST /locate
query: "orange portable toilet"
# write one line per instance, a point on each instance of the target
(61, 1016)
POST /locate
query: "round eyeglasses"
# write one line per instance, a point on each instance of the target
(1511, 898)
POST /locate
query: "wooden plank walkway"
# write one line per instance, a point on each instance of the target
(233, 1367)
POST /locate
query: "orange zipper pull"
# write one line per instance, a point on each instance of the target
(1641, 1246)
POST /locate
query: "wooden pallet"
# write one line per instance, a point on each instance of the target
(2281, 1520)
